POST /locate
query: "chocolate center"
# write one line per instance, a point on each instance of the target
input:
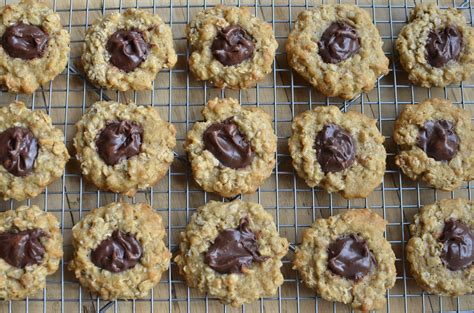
(443, 46)
(234, 249)
(118, 141)
(232, 45)
(18, 150)
(335, 148)
(338, 42)
(127, 49)
(20, 249)
(457, 251)
(228, 145)
(350, 257)
(24, 41)
(438, 139)
(117, 253)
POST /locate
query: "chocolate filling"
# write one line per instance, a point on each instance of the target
(232, 45)
(350, 257)
(439, 140)
(18, 150)
(228, 144)
(22, 248)
(339, 42)
(234, 249)
(119, 141)
(443, 46)
(335, 148)
(24, 41)
(128, 49)
(457, 252)
(117, 253)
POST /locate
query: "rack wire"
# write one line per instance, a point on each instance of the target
(179, 98)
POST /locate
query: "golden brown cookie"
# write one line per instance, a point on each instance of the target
(32, 152)
(230, 47)
(232, 251)
(344, 260)
(31, 247)
(34, 47)
(440, 250)
(338, 49)
(119, 252)
(436, 140)
(340, 152)
(233, 150)
(125, 51)
(436, 47)
(124, 147)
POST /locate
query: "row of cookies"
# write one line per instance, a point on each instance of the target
(336, 48)
(124, 148)
(233, 251)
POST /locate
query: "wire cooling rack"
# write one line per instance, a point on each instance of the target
(179, 98)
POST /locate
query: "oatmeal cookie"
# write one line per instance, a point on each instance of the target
(436, 143)
(232, 251)
(34, 47)
(340, 152)
(124, 147)
(125, 51)
(32, 152)
(344, 260)
(30, 249)
(436, 47)
(337, 49)
(119, 252)
(233, 150)
(230, 47)
(440, 251)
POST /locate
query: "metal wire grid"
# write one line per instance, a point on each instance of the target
(179, 98)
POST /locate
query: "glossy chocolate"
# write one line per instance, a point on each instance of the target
(118, 141)
(117, 253)
(18, 150)
(24, 41)
(20, 249)
(232, 45)
(127, 49)
(439, 140)
(339, 42)
(457, 253)
(443, 46)
(350, 257)
(228, 144)
(335, 148)
(234, 249)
